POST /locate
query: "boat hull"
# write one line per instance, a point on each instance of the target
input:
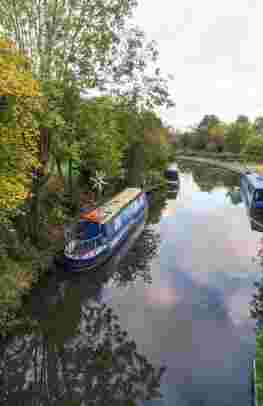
(92, 263)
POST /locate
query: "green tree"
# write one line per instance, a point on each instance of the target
(200, 138)
(238, 133)
(216, 137)
(63, 36)
(102, 142)
(258, 125)
(254, 146)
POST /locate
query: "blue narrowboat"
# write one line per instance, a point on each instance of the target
(98, 233)
(252, 190)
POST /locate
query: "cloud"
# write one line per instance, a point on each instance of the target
(213, 51)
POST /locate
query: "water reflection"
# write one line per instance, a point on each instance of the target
(181, 295)
(137, 263)
(157, 202)
(94, 362)
(234, 195)
(208, 178)
(74, 350)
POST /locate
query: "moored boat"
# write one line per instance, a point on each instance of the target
(172, 176)
(252, 190)
(252, 195)
(98, 233)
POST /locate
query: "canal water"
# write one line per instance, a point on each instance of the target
(169, 314)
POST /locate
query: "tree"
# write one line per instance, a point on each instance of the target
(19, 142)
(101, 139)
(65, 36)
(242, 119)
(254, 146)
(238, 133)
(201, 134)
(216, 137)
(208, 121)
(258, 125)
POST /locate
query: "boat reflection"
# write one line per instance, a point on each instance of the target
(72, 349)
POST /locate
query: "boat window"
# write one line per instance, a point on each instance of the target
(171, 175)
(259, 195)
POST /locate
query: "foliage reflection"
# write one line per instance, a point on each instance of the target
(74, 351)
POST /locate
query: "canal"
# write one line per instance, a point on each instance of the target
(168, 314)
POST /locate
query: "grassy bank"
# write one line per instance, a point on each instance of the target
(225, 156)
(259, 369)
(233, 163)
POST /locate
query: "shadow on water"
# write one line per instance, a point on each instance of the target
(72, 350)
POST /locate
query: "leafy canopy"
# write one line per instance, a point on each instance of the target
(19, 135)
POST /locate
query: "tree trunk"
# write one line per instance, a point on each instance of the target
(59, 168)
(70, 179)
(35, 213)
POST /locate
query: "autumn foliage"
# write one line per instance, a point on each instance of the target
(19, 133)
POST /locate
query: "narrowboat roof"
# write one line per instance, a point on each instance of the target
(111, 208)
(172, 167)
(255, 179)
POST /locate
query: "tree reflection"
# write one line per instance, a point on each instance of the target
(99, 365)
(256, 305)
(185, 166)
(234, 195)
(157, 201)
(73, 351)
(208, 178)
(137, 263)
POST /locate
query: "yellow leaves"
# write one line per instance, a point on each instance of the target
(15, 77)
(19, 137)
(12, 191)
(7, 44)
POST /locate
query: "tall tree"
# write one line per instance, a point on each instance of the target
(238, 133)
(63, 36)
(208, 121)
(19, 135)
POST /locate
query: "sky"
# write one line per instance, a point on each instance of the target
(213, 49)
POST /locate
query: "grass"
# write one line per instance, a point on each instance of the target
(259, 369)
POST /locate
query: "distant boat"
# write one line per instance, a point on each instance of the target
(98, 233)
(172, 176)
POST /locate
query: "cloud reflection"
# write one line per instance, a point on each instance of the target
(161, 296)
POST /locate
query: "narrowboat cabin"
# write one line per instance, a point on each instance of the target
(98, 233)
(172, 176)
(252, 190)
